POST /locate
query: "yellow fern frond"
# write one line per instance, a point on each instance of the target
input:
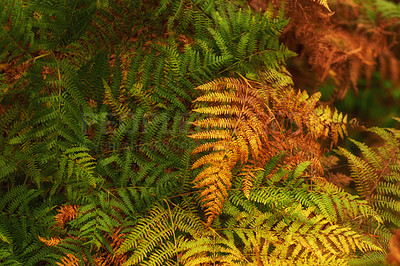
(323, 3)
(219, 84)
(233, 139)
(248, 178)
(116, 104)
(248, 123)
(212, 134)
(214, 158)
(216, 122)
(223, 96)
(219, 110)
(213, 146)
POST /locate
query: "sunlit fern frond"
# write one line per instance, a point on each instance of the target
(246, 123)
(53, 241)
(286, 219)
(235, 133)
(299, 236)
(65, 214)
(323, 3)
(68, 260)
(165, 231)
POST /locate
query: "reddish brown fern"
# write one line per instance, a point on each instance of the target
(340, 46)
(68, 213)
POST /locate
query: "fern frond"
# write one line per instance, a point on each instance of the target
(376, 174)
(76, 161)
(66, 214)
(69, 259)
(24, 215)
(247, 124)
(163, 224)
(239, 139)
(323, 3)
(53, 241)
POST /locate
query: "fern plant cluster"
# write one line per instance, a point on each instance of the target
(342, 42)
(172, 133)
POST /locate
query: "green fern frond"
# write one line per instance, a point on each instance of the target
(16, 31)
(388, 9)
(376, 175)
(76, 161)
(23, 215)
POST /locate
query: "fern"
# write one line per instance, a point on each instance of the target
(126, 124)
(24, 215)
(375, 174)
(15, 39)
(276, 227)
(241, 131)
(323, 3)
(170, 226)
(388, 9)
(78, 162)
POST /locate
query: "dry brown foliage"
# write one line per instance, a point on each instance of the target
(394, 246)
(339, 46)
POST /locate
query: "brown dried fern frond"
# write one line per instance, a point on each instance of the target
(341, 47)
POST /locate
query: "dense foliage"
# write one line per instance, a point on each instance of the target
(196, 132)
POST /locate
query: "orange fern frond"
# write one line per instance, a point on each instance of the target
(248, 174)
(53, 241)
(247, 123)
(69, 260)
(235, 138)
(107, 258)
(65, 214)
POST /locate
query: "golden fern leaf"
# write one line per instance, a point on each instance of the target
(323, 3)
(247, 123)
(69, 260)
(65, 214)
(249, 176)
(116, 104)
(53, 241)
(234, 139)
